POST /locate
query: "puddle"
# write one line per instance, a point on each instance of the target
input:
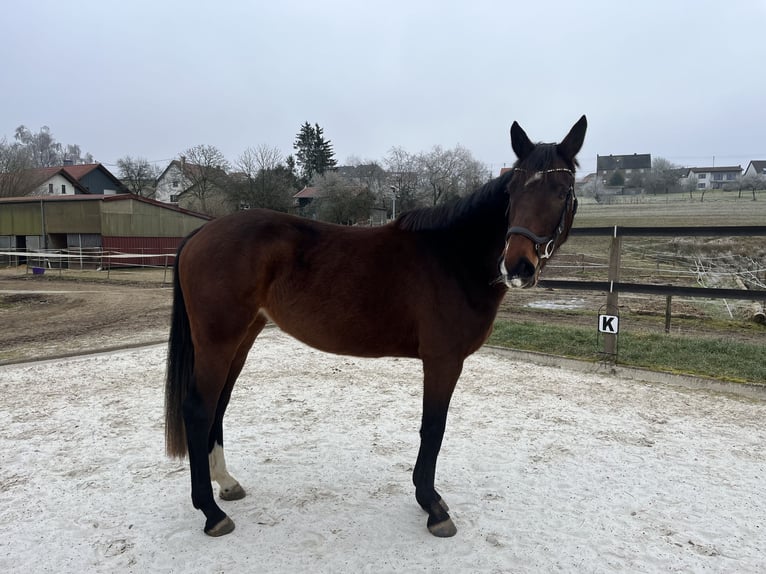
(563, 304)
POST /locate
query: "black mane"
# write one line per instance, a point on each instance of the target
(457, 212)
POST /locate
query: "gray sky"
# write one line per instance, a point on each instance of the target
(683, 80)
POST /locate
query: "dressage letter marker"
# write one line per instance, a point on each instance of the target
(608, 324)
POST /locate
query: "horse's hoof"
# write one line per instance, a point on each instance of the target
(224, 527)
(443, 529)
(234, 493)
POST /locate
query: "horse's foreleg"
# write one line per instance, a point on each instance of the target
(439, 379)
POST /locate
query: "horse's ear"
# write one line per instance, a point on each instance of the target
(571, 144)
(520, 143)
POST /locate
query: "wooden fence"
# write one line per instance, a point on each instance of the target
(613, 286)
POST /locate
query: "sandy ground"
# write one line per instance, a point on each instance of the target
(46, 316)
(545, 470)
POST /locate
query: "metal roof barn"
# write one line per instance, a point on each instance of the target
(126, 223)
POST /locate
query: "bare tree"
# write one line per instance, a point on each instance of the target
(450, 173)
(263, 180)
(15, 163)
(402, 178)
(205, 171)
(664, 177)
(341, 202)
(45, 151)
(753, 183)
(138, 175)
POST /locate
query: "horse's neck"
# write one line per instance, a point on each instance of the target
(480, 239)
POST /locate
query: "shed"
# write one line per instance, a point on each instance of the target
(87, 224)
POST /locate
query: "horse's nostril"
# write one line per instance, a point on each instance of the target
(523, 269)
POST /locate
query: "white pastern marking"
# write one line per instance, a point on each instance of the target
(218, 470)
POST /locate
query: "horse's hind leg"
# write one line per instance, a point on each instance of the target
(229, 487)
(210, 371)
(439, 379)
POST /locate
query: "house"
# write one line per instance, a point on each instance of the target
(608, 165)
(91, 178)
(172, 182)
(305, 196)
(756, 167)
(195, 187)
(714, 177)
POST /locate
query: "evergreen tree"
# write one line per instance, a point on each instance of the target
(313, 154)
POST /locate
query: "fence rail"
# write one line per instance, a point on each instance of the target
(690, 231)
(649, 289)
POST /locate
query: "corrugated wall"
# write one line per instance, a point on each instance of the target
(130, 218)
(60, 217)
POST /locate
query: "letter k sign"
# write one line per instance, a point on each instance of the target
(608, 324)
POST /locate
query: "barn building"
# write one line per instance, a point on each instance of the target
(85, 224)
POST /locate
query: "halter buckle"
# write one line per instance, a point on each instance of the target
(548, 251)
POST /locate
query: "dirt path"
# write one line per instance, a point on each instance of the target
(41, 317)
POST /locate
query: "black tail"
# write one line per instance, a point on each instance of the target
(180, 366)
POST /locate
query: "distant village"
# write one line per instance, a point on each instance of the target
(636, 174)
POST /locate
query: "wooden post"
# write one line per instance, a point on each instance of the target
(668, 300)
(612, 302)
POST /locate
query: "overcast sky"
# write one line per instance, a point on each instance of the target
(682, 80)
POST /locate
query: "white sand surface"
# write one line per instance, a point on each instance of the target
(544, 469)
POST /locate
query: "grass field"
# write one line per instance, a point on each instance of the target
(675, 210)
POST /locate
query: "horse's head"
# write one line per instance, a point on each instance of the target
(542, 203)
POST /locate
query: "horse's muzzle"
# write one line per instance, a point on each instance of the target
(520, 276)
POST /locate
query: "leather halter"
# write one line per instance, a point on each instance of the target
(548, 243)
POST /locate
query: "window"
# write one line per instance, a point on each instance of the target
(718, 176)
(731, 176)
(701, 175)
(63, 188)
(173, 199)
(175, 183)
(700, 186)
(50, 188)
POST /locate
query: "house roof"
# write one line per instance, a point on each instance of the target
(190, 170)
(39, 176)
(73, 173)
(759, 165)
(307, 193)
(106, 198)
(614, 162)
(737, 168)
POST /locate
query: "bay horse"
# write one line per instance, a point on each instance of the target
(426, 285)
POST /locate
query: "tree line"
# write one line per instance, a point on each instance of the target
(262, 176)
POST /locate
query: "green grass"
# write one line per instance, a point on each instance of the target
(725, 359)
